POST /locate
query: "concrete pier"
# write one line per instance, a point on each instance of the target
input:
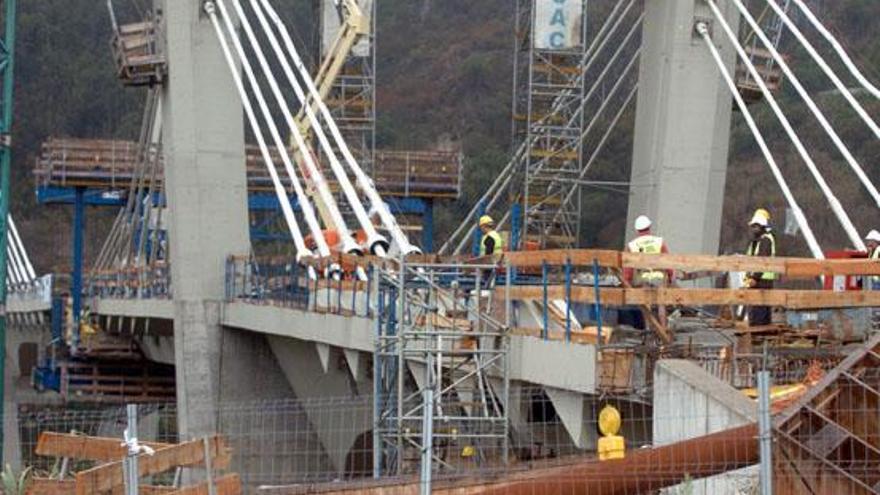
(682, 126)
(203, 141)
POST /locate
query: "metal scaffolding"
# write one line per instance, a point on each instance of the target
(440, 369)
(352, 97)
(548, 94)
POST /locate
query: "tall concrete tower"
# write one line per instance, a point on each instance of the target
(682, 129)
(203, 142)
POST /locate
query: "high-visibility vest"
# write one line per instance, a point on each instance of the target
(499, 243)
(755, 250)
(649, 244)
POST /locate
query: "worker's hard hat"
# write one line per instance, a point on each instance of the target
(759, 219)
(642, 223)
(486, 220)
(763, 212)
(873, 236)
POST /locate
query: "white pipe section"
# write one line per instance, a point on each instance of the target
(836, 207)
(747, 115)
(348, 243)
(364, 181)
(280, 193)
(841, 52)
(27, 262)
(305, 204)
(825, 68)
(780, 60)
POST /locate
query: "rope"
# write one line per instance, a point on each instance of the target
(747, 115)
(836, 207)
(841, 52)
(850, 159)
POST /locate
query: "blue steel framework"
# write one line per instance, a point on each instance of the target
(81, 197)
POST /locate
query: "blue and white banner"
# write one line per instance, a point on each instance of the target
(558, 24)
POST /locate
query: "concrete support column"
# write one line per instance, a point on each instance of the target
(682, 126)
(203, 141)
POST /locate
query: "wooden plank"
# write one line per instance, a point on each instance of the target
(108, 476)
(800, 268)
(791, 267)
(229, 484)
(579, 257)
(791, 299)
(46, 486)
(60, 445)
(692, 263)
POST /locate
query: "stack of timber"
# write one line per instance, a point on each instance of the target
(106, 474)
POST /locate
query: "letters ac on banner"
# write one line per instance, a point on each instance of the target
(558, 24)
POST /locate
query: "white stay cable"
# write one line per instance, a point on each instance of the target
(841, 52)
(12, 263)
(825, 68)
(25, 258)
(326, 196)
(850, 159)
(747, 115)
(302, 198)
(280, 193)
(836, 207)
(366, 184)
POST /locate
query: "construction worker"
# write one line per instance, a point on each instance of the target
(647, 242)
(872, 242)
(491, 244)
(762, 243)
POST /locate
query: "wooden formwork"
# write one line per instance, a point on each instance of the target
(106, 475)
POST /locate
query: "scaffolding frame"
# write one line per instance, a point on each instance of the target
(352, 98)
(549, 92)
(440, 368)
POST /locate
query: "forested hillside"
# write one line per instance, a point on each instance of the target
(444, 73)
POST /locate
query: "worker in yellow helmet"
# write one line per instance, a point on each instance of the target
(764, 213)
(492, 244)
(761, 243)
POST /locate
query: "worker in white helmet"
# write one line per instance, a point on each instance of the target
(872, 242)
(762, 243)
(648, 243)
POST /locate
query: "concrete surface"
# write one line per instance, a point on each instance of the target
(682, 127)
